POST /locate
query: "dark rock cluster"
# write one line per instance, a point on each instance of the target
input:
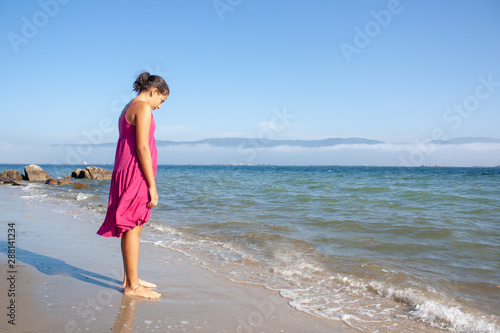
(34, 172)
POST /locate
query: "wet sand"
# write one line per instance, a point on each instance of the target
(68, 279)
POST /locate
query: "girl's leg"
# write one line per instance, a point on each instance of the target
(142, 282)
(130, 253)
(130, 243)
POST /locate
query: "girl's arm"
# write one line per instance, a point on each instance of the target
(142, 125)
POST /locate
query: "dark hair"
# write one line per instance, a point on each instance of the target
(145, 82)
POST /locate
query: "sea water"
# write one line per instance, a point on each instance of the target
(384, 249)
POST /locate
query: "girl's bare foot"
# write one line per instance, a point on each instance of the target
(143, 283)
(140, 291)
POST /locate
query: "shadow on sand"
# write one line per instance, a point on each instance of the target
(52, 266)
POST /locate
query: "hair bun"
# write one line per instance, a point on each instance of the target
(141, 83)
(145, 81)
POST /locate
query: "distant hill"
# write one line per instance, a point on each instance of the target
(268, 143)
(466, 140)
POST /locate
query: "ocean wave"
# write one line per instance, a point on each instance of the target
(85, 196)
(294, 270)
(454, 319)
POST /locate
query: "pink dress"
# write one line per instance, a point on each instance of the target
(128, 194)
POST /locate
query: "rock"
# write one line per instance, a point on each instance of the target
(13, 182)
(14, 174)
(77, 173)
(80, 185)
(34, 172)
(92, 172)
(97, 173)
(53, 181)
(6, 180)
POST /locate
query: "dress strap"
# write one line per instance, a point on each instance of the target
(125, 114)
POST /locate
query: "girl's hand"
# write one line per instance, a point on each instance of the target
(153, 195)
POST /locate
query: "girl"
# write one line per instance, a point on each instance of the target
(133, 190)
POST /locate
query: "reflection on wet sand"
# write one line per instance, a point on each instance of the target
(125, 317)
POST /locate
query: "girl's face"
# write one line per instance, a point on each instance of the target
(157, 99)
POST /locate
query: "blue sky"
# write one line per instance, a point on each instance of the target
(395, 71)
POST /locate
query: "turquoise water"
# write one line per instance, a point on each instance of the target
(382, 248)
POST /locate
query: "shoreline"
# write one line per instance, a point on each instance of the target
(68, 280)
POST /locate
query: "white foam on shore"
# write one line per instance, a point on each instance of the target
(365, 305)
(453, 318)
(33, 191)
(83, 196)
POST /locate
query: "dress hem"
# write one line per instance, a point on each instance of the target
(121, 229)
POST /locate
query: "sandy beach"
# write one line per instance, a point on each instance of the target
(67, 279)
